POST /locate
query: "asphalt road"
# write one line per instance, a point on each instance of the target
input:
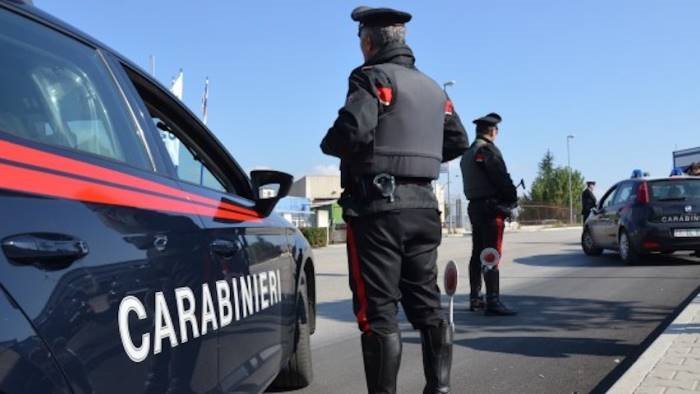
(582, 320)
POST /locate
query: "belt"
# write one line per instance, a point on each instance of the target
(413, 181)
(365, 187)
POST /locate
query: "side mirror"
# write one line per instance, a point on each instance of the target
(594, 211)
(269, 187)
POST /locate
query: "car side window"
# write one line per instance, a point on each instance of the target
(58, 91)
(608, 198)
(625, 193)
(187, 160)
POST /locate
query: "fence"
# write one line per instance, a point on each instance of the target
(534, 214)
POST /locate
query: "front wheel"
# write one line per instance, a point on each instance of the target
(588, 244)
(298, 373)
(628, 253)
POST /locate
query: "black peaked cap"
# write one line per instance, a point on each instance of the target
(491, 119)
(368, 16)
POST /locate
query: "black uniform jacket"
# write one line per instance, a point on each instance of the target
(489, 157)
(352, 132)
(588, 201)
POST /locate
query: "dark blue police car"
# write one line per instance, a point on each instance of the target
(639, 216)
(136, 256)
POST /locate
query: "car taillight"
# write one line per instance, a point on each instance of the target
(643, 193)
(651, 245)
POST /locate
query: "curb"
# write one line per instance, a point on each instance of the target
(645, 364)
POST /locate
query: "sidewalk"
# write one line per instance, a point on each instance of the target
(672, 363)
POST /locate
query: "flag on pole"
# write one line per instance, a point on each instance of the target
(176, 87)
(205, 98)
(172, 144)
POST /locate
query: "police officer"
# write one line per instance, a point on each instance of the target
(588, 200)
(492, 197)
(395, 129)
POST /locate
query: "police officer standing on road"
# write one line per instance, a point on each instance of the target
(492, 196)
(395, 129)
(588, 200)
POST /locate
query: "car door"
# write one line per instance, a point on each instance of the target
(95, 239)
(625, 192)
(598, 223)
(253, 272)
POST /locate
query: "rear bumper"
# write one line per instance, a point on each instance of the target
(659, 237)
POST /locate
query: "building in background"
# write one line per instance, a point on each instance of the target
(317, 188)
(685, 158)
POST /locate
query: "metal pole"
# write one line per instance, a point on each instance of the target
(568, 160)
(152, 61)
(449, 206)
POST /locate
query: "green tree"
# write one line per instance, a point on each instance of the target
(551, 188)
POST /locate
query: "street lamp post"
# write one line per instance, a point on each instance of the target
(568, 160)
(449, 207)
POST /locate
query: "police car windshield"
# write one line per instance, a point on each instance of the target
(675, 190)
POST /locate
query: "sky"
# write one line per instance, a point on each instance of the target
(622, 77)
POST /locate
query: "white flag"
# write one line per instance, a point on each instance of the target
(176, 87)
(172, 144)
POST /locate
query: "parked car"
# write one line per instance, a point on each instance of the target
(640, 216)
(137, 255)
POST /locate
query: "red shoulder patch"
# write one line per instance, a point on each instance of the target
(449, 108)
(479, 158)
(385, 94)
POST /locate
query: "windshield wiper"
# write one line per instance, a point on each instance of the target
(672, 199)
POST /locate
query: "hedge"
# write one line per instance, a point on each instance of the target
(316, 236)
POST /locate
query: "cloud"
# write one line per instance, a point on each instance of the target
(325, 169)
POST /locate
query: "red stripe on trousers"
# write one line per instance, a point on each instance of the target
(500, 226)
(356, 274)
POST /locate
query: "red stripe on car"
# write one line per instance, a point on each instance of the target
(48, 184)
(25, 155)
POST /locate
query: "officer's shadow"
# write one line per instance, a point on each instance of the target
(551, 327)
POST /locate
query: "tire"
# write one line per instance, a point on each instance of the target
(588, 244)
(628, 253)
(298, 373)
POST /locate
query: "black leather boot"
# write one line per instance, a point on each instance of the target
(494, 306)
(476, 303)
(437, 358)
(382, 357)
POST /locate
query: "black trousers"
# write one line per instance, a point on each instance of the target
(392, 258)
(487, 232)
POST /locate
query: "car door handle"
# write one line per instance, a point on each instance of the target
(225, 247)
(44, 248)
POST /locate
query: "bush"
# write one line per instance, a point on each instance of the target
(316, 236)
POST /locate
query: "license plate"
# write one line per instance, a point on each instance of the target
(686, 232)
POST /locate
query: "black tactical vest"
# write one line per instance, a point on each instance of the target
(476, 182)
(408, 140)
